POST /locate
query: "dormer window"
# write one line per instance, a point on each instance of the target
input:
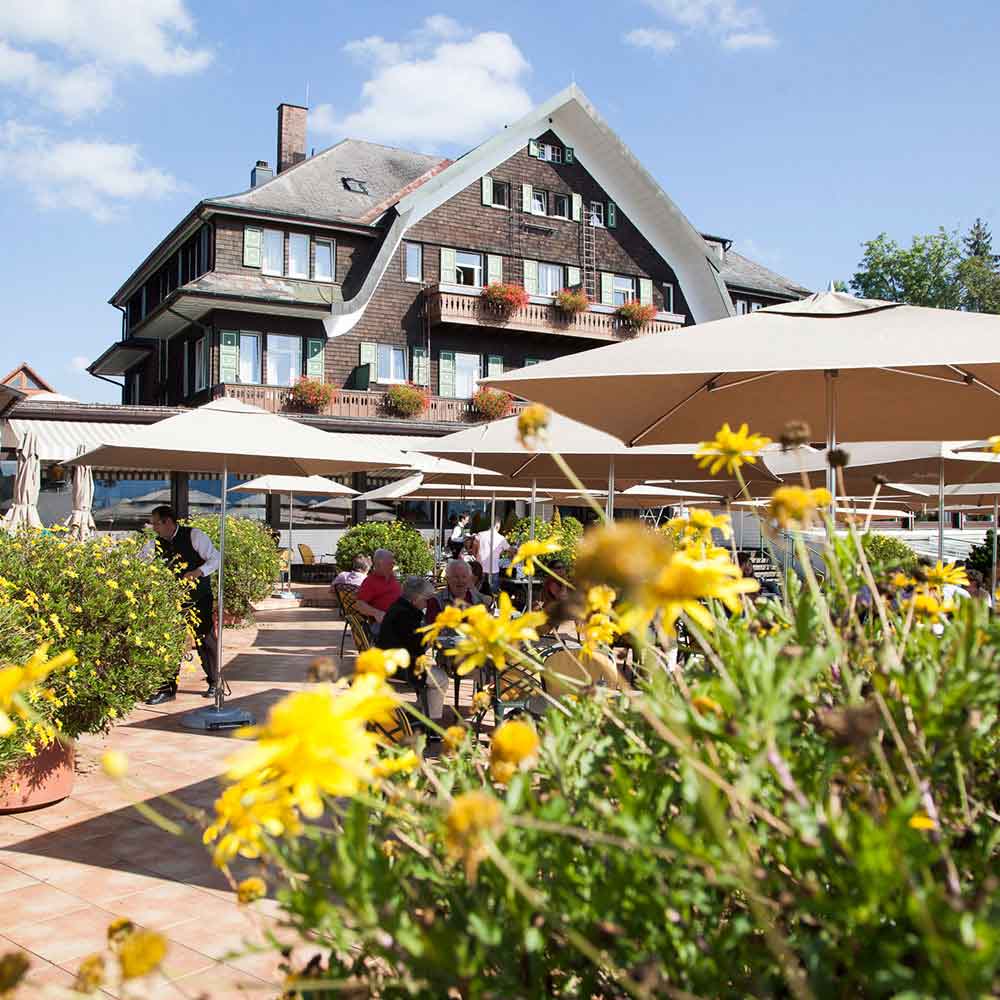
(355, 186)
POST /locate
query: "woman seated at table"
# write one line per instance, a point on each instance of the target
(481, 584)
(553, 599)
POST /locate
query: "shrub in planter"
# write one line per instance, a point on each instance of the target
(571, 301)
(981, 556)
(634, 315)
(568, 532)
(120, 614)
(504, 298)
(886, 552)
(492, 403)
(252, 563)
(311, 395)
(407, 400)
(403, 540)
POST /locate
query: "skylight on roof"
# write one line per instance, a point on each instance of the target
(353, 184)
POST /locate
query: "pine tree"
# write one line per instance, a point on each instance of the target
(979, 242)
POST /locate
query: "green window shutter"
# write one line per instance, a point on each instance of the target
(526, 194)
(487, 190)
(612, 215)
(494, 365)
(531, 277)
(252, 241)
(572, 277)
(568, 155)
(316, 359)
(421, 367)
(369, 357)
(577, 207)
(446, 374)
(645, 292)
(533, 148)
(531, 361)
(448, 265)
(494, 269)
(607, 289)
(229, 356)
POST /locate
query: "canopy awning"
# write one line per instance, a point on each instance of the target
(60, 440)
(121, 356)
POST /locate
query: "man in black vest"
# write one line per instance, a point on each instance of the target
(189, 552)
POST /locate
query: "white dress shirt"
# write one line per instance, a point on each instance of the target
(492, 545)
(200, 542)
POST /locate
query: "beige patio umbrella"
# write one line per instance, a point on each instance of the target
(229, 436)
(303, 486)
(853, 369)
(23, 511)
(81, 519)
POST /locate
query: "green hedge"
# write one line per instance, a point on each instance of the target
(567, 530)
(413, 555)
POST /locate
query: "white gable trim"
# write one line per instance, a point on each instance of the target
(633, 189)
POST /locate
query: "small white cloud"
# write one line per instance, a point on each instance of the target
(70, 92)
(737, 25)
(438, 85)
(79, 363)
(322, 119)
(651, 38)
(92, 176)
(749, 40)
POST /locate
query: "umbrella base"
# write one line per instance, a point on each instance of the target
(217, 718)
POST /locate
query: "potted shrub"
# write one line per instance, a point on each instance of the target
(503, 298)
(566, 530)
(413, 556)
(406, 400)
(633, 315)
(571, 301)
(311, 395)
(252, 563)
(120, 615)
(492, 403)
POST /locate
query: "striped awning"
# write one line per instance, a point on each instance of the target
(60, 440)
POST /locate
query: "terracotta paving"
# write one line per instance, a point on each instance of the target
(67, 870)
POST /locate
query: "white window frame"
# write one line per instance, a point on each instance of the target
(565, 200)
(294, 376)
(333, 259)
(419, 248)
(185, 369)
(271, 233)
(754, 306)
(386, 375)
(301, 240)
(245, 338)
(562, 277)
(536, 194)
(478, 268)
(595, 214)
(668, 296)
(201, 364)
(459, 357)
(553, 154)
(616, 291)
(742, 307)
(498, 186)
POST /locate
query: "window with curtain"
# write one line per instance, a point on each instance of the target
(467, 374)
(391, 363)
(274, 252)
(550, 278)
(284, 359)
(323, 267)
(298, 255)
(469, 268)
(414, 262)
(201, 364)
(624, 289)
(250, 358)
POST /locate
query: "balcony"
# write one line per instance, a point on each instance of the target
(462, 305)
(360, 405)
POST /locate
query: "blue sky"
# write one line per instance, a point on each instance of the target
(798, 129)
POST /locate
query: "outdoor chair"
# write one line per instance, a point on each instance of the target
(338, 590)
(313, 568)
(356, 621)
(397, 728)
(284, 566)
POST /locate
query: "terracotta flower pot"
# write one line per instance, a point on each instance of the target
(38, 781)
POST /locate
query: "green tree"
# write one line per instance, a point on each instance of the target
(979, 242)
(980, 284)
(925, 274)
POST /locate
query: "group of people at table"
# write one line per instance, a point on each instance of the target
(396, 610)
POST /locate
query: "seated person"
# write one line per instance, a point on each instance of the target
(470, 549)
(480, 581)
(354, 576)
(767, 587)
(459, 589)
(399, 631)
(380, 589)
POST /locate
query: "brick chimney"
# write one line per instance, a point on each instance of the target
(291, 135)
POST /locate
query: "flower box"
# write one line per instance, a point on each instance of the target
(407, 400)
(504, 298)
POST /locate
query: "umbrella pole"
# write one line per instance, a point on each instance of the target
(288, 582)
(831, 429)
(219, 686)
(941, 509)
(993, 581)
(531, 535)
(609, 510)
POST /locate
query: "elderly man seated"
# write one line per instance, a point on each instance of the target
(380, 589)
(459, 589)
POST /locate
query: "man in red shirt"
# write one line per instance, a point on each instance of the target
(380, 589)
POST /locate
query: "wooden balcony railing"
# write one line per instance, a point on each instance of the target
(448, 304)
(357, 404)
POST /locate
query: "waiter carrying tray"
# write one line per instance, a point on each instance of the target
(190, 554)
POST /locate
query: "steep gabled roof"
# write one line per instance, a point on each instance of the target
(315, 187)
(26, 379)
(741, 272)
